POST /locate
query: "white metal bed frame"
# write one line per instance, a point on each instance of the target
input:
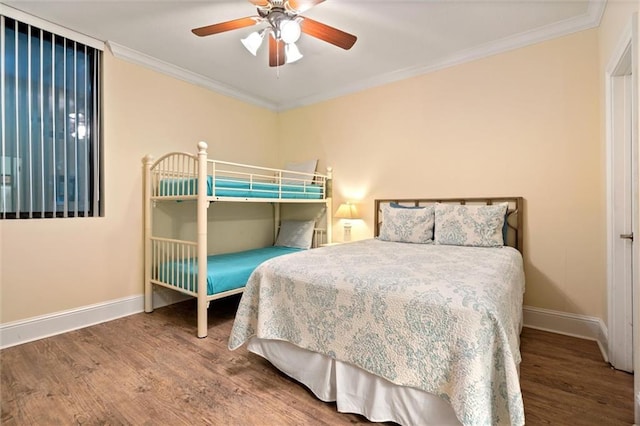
(182, 169)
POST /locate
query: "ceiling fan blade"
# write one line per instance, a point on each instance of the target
(276, 52)
(260, 3)
(300, 6)
(225, 26)
(326, 33)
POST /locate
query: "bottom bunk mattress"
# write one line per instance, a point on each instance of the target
(441, 319)
(225, 272)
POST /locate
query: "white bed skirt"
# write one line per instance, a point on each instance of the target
(355, 390)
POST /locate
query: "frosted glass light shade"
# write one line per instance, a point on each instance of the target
(292, 53)
(253, 41)
(290, 31)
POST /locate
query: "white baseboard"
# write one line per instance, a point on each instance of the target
(575, 325)
(23, 331)
(18, 332)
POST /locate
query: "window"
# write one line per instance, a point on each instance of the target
(50, 152)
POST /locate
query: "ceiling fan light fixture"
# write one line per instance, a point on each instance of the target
(290, 31)
(253, 41)
(285, 23)
(292, 53)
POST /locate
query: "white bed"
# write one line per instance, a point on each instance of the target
(418, 334)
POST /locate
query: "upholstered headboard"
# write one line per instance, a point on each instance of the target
(514, 213)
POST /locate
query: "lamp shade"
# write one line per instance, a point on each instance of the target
(347, 211)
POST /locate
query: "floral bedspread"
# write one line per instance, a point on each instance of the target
(444, 319)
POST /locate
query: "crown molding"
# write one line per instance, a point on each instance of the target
(591, 19)
(139, 58)
(49, 26)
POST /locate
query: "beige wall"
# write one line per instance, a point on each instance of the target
(55, 265)
(525, 122)
(616, 18)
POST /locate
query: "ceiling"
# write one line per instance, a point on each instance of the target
(396, 39)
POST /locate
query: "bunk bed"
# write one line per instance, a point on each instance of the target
(419, 326)
(184, 265)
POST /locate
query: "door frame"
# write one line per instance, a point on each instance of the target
(627, 49)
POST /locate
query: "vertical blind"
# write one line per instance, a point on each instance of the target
(50, 151)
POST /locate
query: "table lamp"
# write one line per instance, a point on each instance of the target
(348, 212)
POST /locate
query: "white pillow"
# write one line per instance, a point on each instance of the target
(407, 225)
(469, 225)
(296, 233)
(297, 179)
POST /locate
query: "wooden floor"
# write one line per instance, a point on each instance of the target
(150, 369)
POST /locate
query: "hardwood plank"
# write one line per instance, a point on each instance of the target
(151, 369)
(564, 380)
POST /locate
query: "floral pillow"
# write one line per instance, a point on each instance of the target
(407, 225)
(462, 225)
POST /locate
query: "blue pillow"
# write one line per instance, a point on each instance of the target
(400, 206)
(505, 228)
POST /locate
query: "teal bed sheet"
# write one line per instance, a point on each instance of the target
(225, 272)
(225, 187)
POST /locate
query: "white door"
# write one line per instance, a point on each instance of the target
(621, 297)
(622, 205)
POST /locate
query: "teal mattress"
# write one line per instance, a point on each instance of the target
(225, 272)
(226, 187)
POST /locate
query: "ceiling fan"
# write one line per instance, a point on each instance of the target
(283, 29)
